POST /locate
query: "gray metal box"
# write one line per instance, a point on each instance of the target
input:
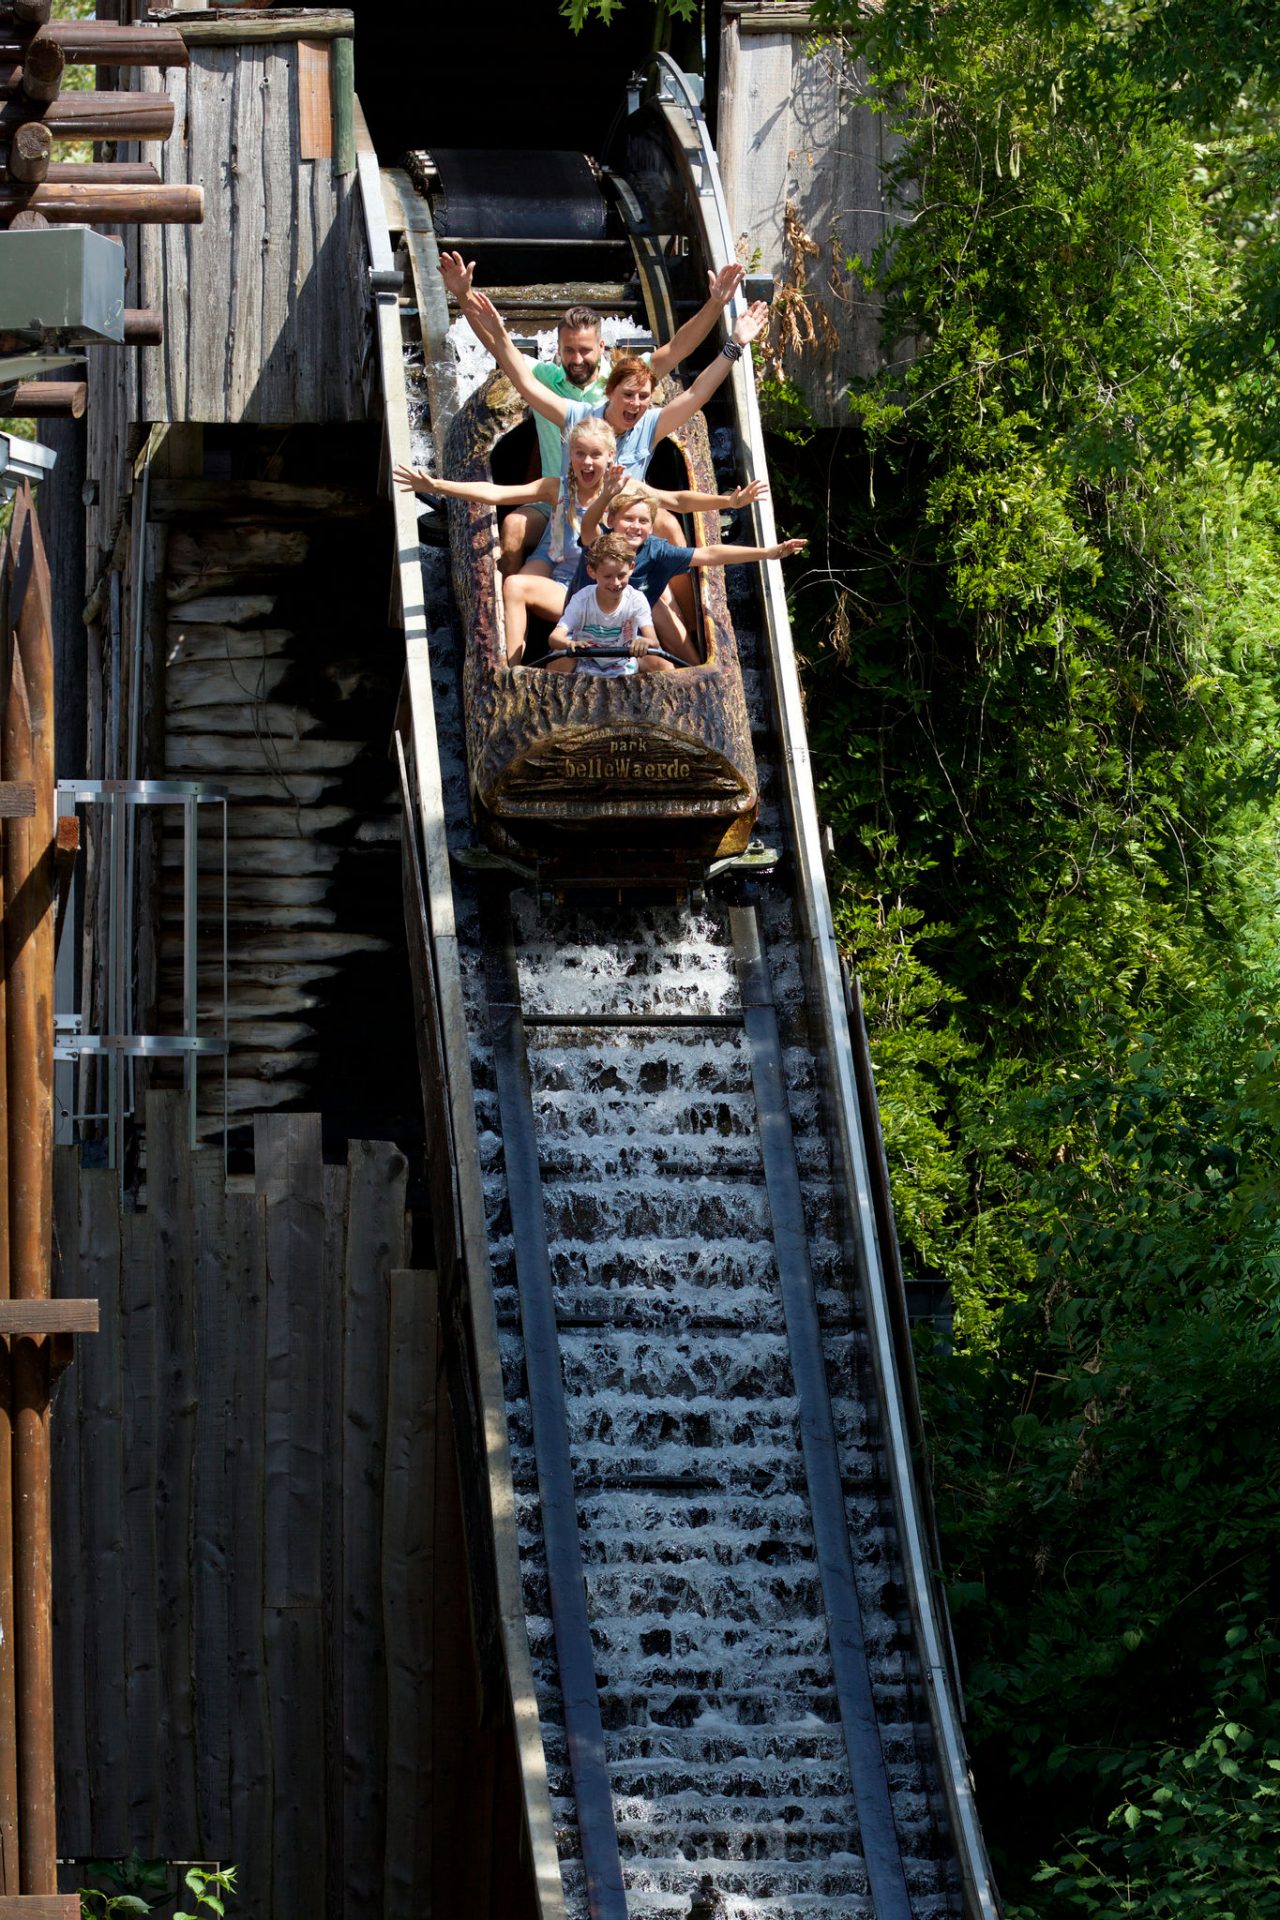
(65, 280)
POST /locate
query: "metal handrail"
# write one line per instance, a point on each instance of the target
(981, 1899)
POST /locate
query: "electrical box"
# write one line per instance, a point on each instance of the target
(67, 281)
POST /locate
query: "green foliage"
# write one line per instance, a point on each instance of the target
(210, 1888)
(1042, 679)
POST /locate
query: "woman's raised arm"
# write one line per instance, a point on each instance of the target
(747, 328)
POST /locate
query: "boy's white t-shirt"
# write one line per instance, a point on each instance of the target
(584, 619)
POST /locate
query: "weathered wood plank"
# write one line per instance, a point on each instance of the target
(315, 105)
(250, 718)
(100, 1366)
(213, 1545)
(48, 1316)
(375, 1244)
(212, 755)
(17, 800)
(408, 1585)
(142, 1647)
(39, 1906)
(189, 646)
(70, 1604)
(170, 1203)
(255, 499)
(289, 1174)
(225, 609)
(334, 1287)
(252, 1800)
(239, 550)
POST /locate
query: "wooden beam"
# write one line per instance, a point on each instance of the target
(33, 1318)
(17, 800)
(215, 29)
(48, 400)
(101, 43)
(32, 13)
(83, 202)
(95, 116)
(253, 500)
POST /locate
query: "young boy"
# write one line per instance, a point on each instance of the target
(658, 562)
(609, 613)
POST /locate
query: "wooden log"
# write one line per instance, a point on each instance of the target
(242, 29)
(32, 13)
(254, 500)
(95, 116)
(170, 1202)
(272, 822)
(42, 69)
(306, 943)
(102, 1528)
(138, 173)
(48, 400)
(30, 151)
(143, 326)
(27, 222)
(83, 202)
(102, 43)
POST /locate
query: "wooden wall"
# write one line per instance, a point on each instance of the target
(265, 302)
(244, 1481)
(796, 126)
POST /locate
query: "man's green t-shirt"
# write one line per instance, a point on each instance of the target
(553, 375)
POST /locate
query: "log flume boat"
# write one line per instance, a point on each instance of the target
(705, 1588)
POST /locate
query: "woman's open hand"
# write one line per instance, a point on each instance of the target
(457, 275)
(722, 286)
(752, 323)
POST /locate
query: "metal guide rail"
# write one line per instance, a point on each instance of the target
(551, 1317)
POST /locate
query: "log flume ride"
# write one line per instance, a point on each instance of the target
(660, 1202)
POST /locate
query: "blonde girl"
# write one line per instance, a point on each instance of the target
(541, 585)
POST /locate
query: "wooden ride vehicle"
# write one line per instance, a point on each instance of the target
(579, 772)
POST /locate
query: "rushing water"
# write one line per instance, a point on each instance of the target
(725, 1751)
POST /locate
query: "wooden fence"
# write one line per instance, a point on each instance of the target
(244, 1475)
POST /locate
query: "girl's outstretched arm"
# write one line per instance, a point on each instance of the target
(487, 492)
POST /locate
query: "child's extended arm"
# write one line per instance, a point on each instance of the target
(738, 556)
(415, 480)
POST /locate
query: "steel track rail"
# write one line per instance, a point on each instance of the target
(695, 158)
(877, 1828)
(575, 1655)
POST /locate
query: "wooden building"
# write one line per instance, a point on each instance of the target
(802, 148)
(263, 1622)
